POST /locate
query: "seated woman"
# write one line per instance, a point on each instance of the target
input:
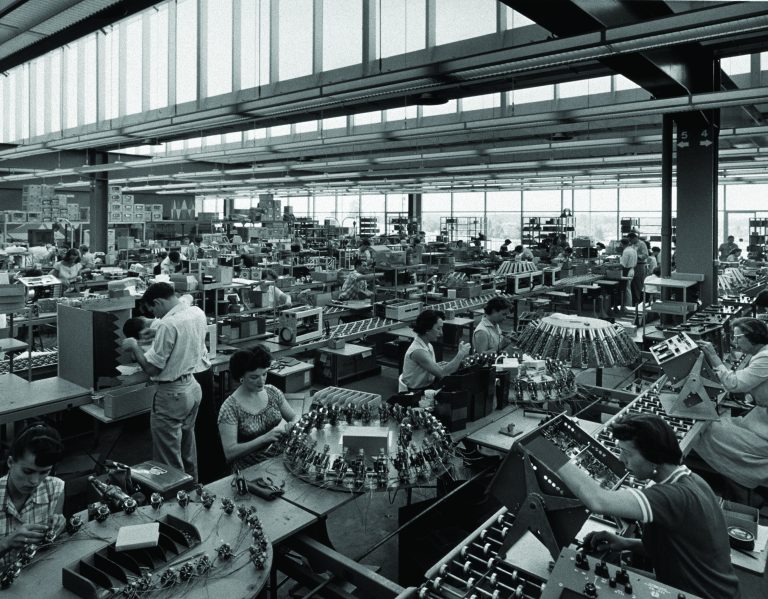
(420, 368)
(31, 500)
(68, 269)
(738, 447)
(275, 297)
(684, 534)
(249, 419)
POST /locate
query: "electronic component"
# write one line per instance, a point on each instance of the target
(579, 341)
(419, 448)
(298, 325)
(579, 576)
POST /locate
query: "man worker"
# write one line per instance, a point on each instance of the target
(726, 248)
(177, 352)
(171, 264)
(488, 337)
(628, 263)
(642, 259)
(356, 284)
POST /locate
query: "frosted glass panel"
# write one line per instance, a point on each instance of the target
(134, 47)
(219, 46)
(295, 26)
(158, 58)
(342, 33)
(402, 26)
(186, 51)
(90, 95)
(462, 19)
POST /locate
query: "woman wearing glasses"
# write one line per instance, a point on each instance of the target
(738, 447)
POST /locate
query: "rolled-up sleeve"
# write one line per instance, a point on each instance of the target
(742, 381)
(162, 346)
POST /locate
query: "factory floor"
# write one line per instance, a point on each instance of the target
(354, 528)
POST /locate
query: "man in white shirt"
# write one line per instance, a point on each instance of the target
(628, 263)
(178, 349)
(171, 264)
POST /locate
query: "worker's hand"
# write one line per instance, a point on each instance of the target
(605, 541)
(464, 349)
(27, 534)
(147, 334)
(130, 344)
(707, 348)
(57, 522)
(274, 434)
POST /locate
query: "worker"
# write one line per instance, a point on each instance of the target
(274, 297)
(564, 257)
(738, 447)
(39, 256)
(734, 256)
(365, 253)
(420, 368)
(654, 259)
(177, 351)
(355, 286)
(32, 500)
(189, 249)
(504, 249)
(726, 248)
(171, 264)
(87, 259)
(628, 263)
(522, 254)
(642, 259)
(68, 269)
(684, 534)
(250, 419)
(488, 336)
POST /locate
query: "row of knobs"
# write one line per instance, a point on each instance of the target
(601, 571)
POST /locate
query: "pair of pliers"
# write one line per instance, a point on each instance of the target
(265, 488)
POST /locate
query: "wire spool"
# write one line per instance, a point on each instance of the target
(741, 538)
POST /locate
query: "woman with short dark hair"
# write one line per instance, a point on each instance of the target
(420, 367)
(31, 499)
(738, 447)
(250, 419)
(684, 534)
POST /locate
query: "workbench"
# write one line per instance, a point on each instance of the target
(20, 399)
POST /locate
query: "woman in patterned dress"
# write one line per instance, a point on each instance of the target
(250, 419)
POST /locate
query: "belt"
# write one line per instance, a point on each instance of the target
(183, 377)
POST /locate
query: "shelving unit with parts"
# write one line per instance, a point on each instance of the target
(461, 227)
(538, 228)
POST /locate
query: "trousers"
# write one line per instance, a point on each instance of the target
(172, 423)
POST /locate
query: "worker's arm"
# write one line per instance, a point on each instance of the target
(132, 346)
(481, 341)
(233, 449)
(622, 503)
(424, 359)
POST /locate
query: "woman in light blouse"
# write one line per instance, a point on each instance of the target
(738, 447)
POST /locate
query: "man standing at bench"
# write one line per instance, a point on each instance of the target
(177, 349)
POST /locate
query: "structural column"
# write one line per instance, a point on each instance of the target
(414, 208)
(696, 146)
(99, 202)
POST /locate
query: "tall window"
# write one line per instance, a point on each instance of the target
(186, 51)
(218, 46)
(295, 35)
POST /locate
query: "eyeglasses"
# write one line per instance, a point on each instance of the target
(738, 335)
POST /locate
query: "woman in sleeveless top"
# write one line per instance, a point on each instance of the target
(249, 419)
(420, 369)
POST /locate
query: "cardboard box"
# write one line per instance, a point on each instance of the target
(121, 402)
(115, 217)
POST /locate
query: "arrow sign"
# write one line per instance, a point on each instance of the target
(683, 144)
(705, 143)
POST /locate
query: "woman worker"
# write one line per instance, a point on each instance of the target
(684, 534)
(249, 419)
(738, 447)
(488, 336)
(31, 499)
(68, 269)
(274, 297)
(420, 368)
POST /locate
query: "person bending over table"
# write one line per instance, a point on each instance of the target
(31, 500)
(738, 447)
(488, 336)
(249, 419)
(420, 368)
(68, 269)
(355, 286)
(684, 534)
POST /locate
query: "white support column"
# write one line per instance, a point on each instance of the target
(237, 44)
(202, 50)
(122, 72)
(317, 36)
(274, 42)
(172, 48)
(146, 60)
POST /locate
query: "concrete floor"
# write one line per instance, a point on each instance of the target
(353, 529)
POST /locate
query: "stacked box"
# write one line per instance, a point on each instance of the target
(128, 217)
(157, 212)
(115, 217)
(127, 200)
(115, 207)
(85, 213)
